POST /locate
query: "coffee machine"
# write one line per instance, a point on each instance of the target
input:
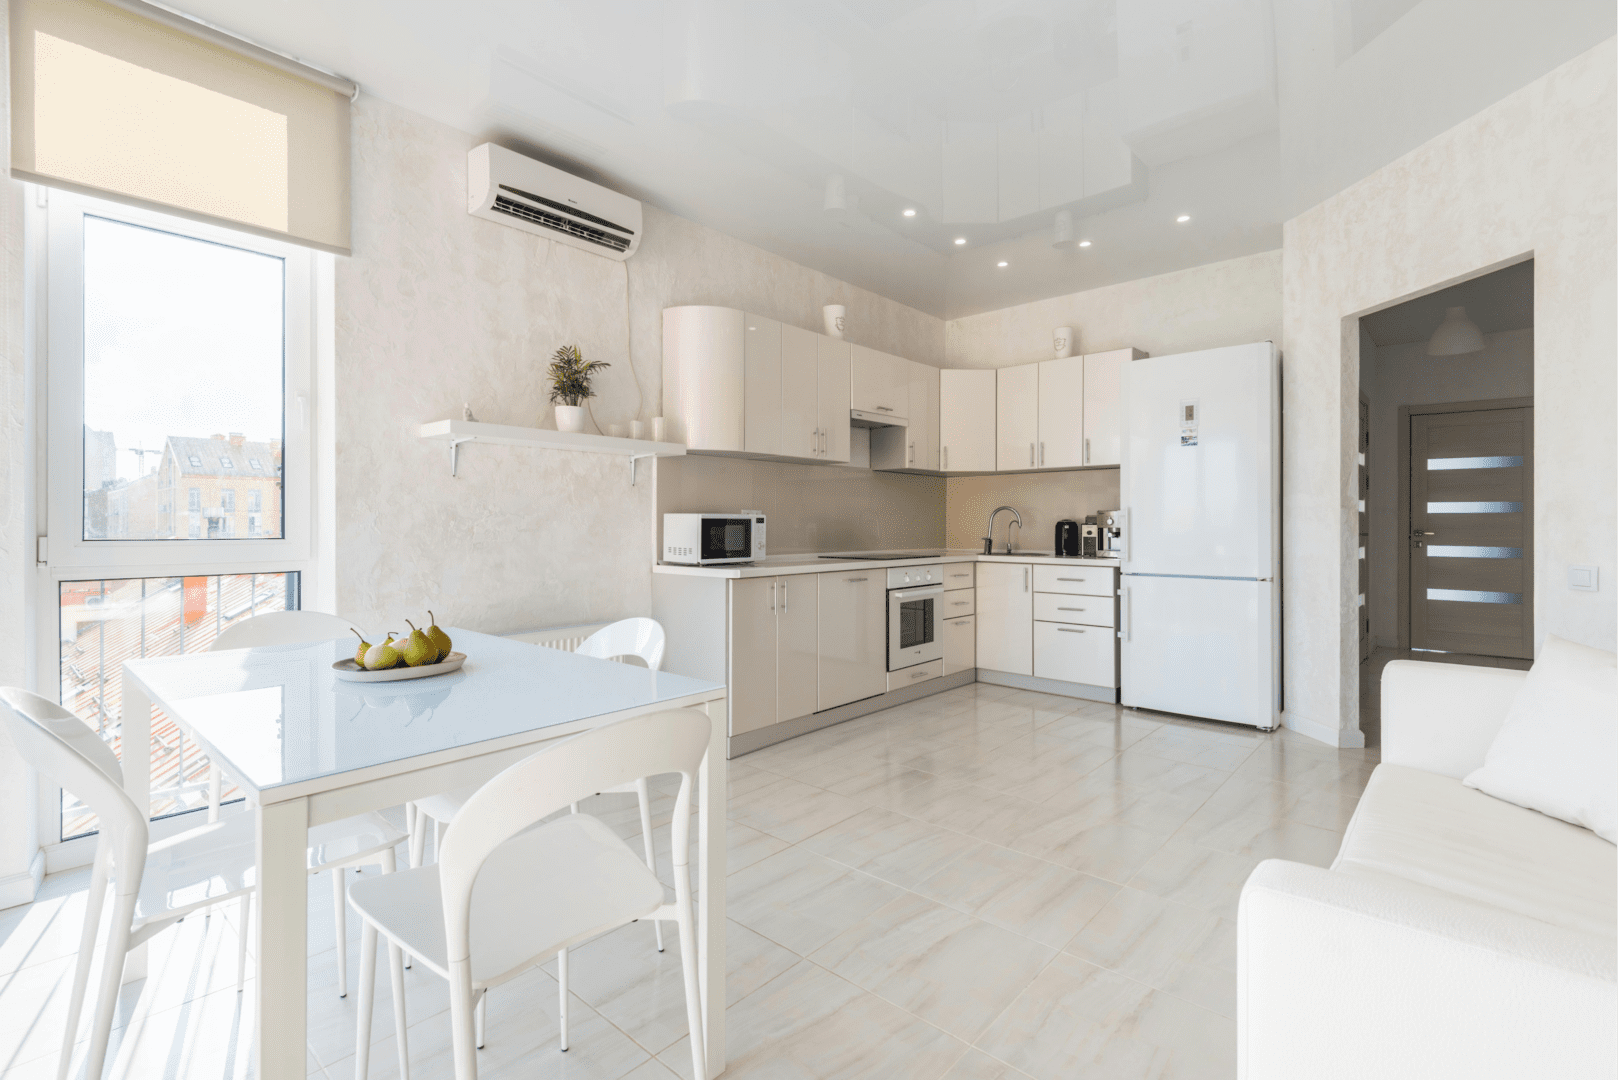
(1113, 524)
(1090, 538)
(1068, 544)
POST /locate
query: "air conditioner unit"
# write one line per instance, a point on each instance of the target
(504, 186)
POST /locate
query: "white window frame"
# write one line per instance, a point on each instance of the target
(56, 258)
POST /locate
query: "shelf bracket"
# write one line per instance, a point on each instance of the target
(633, 458)
(454, 453)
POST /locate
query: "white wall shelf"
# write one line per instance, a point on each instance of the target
(456, 432)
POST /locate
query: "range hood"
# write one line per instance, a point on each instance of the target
(860, 419)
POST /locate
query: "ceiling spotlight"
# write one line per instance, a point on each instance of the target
(1084, 243)
(1062, 231)
(836, 193)
(1002, 262)
(960, 240)
(910, 212)
(1183, 218)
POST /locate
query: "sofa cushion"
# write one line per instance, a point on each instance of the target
(1437, 832)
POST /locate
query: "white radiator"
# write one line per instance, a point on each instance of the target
(566, 638)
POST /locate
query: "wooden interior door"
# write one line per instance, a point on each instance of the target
(1367, 641)
(1471, 532)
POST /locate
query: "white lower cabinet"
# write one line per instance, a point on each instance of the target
(1079, 654)
(960, 644)
(910, 676)
(853, 637)
(797, 648)
(1005, 616)
(773, 643)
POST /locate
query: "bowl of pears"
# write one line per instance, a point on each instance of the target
(416, 655)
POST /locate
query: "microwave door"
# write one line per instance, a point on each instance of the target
(727, 538)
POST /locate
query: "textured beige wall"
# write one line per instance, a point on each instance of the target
(1223, 303)
(1406, 375)
(1533, 173)
(810, 508)
(1042, 499)
(437, 308)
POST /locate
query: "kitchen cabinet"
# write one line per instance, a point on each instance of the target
(1080, 580)
(966, 420)
(1016, 406)
(1103, 404)
(800, 392)
(773, 645)
(761, 386)
(914, 446)
(959, 576)
(952, 605)
(1061, 413)
(879, 383)
(852, 636)
(797, 646)
(1076, 654)
(919, 673)
(960, 644)
(1090, 610)
(703, 377)
(833, 397)
(1005, 618)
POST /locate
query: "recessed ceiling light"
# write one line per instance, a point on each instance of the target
(909, 212)
(1084, 243)
(1002, 262)
(1183, 218)
(960, 239)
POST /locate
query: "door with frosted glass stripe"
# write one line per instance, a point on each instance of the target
(1471, 532)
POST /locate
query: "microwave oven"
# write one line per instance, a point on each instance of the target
(713, 539)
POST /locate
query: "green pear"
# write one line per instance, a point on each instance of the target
(383, 656)
(359, 656)
(418, 648)
(440, 638)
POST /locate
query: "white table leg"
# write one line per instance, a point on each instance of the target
(711, 886)
(135, 753)
(281, 946)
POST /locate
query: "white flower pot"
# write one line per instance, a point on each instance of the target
(570, 418)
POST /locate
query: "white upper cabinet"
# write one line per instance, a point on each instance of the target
(761, 386)
(834, 441)
(966, 420)
(923, 417)
(1061, 413)
(800, 392)
(1103, 386)
(879, 383)
(1017, 417)
(702, 377)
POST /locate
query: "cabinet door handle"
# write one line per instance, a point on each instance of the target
(884, 408)
(1077, 579)
(963, 603)
(1025, 579)
(911, 460)
(1030, 455)
(920, 675)
(783, 596)
(1087, 451)
(946, 457)
(1042, 455)
(772, 596)
(1069, 609)
(856, 579)
(814, 441)
(1070, 630)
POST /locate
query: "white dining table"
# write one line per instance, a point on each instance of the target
(308, 748)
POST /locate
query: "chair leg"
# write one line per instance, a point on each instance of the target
(561, 1012)
(362, 1025)
(688, 968)
(241, 941)
(401, 1042)
(478, 1015)
(93, 901)
(418, 839)
(112, 972)
(339, 904)
(463, 1039)
(438, 838)
(643, 791)
(215, 784)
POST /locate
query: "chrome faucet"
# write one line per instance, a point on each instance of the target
(988, 541)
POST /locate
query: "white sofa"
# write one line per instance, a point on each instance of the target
(1456, 935)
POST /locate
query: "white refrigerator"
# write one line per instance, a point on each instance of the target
(1200, 620)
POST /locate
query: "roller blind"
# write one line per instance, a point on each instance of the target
(130, 102)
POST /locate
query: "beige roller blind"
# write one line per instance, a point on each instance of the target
(132, 103)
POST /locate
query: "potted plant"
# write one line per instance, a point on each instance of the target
(570, 375)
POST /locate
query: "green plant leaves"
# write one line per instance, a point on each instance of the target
(570, 374)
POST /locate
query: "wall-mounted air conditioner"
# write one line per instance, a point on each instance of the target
(504, 186)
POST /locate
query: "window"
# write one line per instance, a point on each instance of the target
(171, 346)
(253, 463)
(255, 501)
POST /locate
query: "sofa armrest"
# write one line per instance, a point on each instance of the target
(1441, 718)
(1342, 976)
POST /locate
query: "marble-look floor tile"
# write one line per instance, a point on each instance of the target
(789, 810)
(977, 811)
(1198, 876)
(801, 900)
(1140, 769)
(1028, 896)
(810, 1023)
(1108, 849)
(744, 846)
(976, 1065)
(1116, 730)
(1079, 1020)
(890, 846)
(1260, 837)
(954, 971)
(1186, 951)
(1194, 749)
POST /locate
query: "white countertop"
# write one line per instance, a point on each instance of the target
(780, 565)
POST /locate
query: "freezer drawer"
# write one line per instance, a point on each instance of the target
(1079, 654)
(1081, 580)
(1201, 647)
(909, 676)
(960, 644)
(953, 605)
(959, 575)
(1088, 610)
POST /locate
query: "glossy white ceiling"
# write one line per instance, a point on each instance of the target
(985, 116)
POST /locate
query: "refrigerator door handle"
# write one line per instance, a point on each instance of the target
(1129, 619)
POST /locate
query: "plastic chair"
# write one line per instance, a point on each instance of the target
(507, 893)
(363, 840)
(154, 885)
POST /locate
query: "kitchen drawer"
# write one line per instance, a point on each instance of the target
(959, 575)
(1079, 654)
(952, 605)
(1081, 580)
(909, 676)
(1065, 608)
(960, 644)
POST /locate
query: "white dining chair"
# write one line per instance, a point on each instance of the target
(154, 884)
(363, 840)
(637, 637)
(507, 893)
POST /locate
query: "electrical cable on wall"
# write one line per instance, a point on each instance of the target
(629, 358)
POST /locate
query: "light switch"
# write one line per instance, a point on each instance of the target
(1582, 578)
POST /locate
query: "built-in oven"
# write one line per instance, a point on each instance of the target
(915, 598)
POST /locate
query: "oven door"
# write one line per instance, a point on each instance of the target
(913, 626)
